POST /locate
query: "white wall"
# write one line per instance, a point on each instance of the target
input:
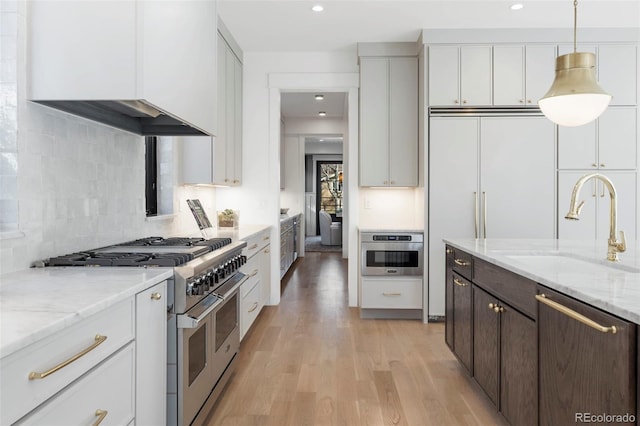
(80, 184)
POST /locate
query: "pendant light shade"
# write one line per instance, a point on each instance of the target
(574, 98)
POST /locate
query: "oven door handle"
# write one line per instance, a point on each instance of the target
(227, 289)
(193, 319)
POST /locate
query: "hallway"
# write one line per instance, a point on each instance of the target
(313, 361)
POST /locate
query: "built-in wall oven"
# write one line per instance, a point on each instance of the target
(391, 253)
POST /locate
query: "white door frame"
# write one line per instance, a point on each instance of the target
(326, 82)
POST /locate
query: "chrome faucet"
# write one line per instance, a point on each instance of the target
(614, 246)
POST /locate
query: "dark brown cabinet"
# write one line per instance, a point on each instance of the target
(486, 341)
(584, 370)
(458, 311)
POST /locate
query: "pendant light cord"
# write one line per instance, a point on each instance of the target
(575, 24)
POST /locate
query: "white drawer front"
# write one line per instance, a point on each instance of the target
(109, 388)
(252, 270)
(396, 293)
(250, 307)
(19, 394)
(256, 243)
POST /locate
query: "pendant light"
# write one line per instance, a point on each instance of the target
(574, 98)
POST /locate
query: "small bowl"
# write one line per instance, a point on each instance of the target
(284, 211)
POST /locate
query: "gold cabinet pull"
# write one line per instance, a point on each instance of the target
(484, 214)
(573, 314)
(460, 283)
(267, 251)
(253, 307)
(98, 341)
(448, 251)
(266, 238)
(461, 262)
(100, 414)
(156, 296)
(475, 195)
(392, 294)
(254, 273)
(496, 308)
(253, 246)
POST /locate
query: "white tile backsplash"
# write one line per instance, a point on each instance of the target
(72, 184)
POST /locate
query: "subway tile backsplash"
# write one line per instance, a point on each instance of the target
(67, 183)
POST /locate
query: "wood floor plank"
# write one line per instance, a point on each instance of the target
(312, 361)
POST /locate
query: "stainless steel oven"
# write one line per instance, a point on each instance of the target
(391, 253)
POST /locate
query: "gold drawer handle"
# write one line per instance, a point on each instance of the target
(100, 414)
(266, 238)
(576, 316)
(448, 251)
(98, 341)
(254, 273)
(496, 308)
(392, 294)
(254, 246)
(267, 251)
(460, 283)
(461, 262)
(156, 296)
(253, 307)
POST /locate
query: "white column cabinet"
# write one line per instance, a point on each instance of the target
(388, 121)
(610, 142)
(618, 72)
(489, 177)
(460, 76)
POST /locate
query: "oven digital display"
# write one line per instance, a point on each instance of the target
(392, 258)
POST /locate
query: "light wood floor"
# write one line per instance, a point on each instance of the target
(313, 361)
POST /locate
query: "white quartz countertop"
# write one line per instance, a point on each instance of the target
(35, 303)
(576, 268)
(242, 233)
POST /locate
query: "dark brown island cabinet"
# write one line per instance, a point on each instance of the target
(535, 352)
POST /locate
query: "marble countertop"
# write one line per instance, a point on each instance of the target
(576, 268)
(34, 303)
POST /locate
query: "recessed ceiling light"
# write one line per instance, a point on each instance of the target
(322, 113)
(317, 8)
(517, 6)
(319, 97)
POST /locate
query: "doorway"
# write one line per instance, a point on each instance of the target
(329, 190)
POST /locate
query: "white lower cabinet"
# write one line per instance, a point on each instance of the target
(105, 393)
(391, 293)
(254, 291)
(110, 365)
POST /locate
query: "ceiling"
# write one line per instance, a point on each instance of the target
(304, 105)
(291, 25)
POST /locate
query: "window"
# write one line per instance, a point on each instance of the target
(330, 187)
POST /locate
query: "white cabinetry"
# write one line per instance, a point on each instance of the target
(218, 160)
(388, 121)
(160, 52)
(618, 72)
(254, 291)
(151, 337)
(522, 75)
(391, 293)
(489, 177)
(119, 374)
(610, 142)
(594, 216)
(460, 75)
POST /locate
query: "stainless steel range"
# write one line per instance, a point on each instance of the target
(203, 313)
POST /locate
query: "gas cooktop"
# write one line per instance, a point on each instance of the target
(151, 251)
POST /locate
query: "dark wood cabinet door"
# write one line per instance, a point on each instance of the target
(462, 320)
(448, 297)
(485, 342)
(518, 367)
(584, 370)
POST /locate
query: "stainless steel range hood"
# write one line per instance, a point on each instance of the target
(134, 116)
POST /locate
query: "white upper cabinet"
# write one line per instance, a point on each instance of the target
(460, 75)
(388, 121)
(161, 53)
(522, 75)
(610, 142)
(618, 72)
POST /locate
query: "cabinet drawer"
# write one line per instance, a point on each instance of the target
(514, 289)
(396, 293)
(19, 395)
(252, 270)
(250, 307)
(256, 242)
(462, 263)
(109, 387)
